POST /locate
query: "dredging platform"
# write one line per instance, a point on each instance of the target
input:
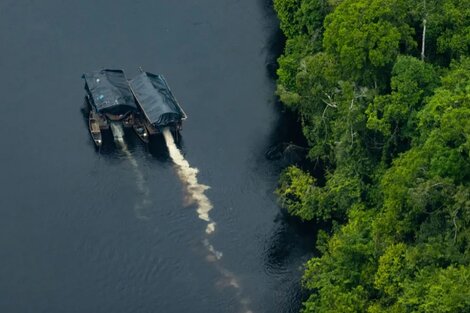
(144, 103)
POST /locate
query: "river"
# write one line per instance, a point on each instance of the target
(112, 230)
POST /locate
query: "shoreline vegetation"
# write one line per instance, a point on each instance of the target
(382, 91)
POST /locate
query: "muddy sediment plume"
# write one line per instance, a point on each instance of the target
(139, 206)
(196, 195)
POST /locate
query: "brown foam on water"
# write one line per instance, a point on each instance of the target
(195, 193)
(188, 175)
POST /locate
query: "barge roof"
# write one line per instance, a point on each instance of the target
(156, 99)
(109, 91)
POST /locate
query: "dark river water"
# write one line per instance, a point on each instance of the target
(108, 231)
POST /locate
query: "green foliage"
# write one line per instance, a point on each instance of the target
(287, 14)
(453, 19)
(412, 81)
(424, 181)
(454, 94)
(301, 16)
(312, 13)
(394, 115)
(366, 36)
(294, 192)
(297, 47)
(445, 290)
(392, 133)
(301, 197)
(301, 22)
(433, 291)
(341, 278)
(401, 254)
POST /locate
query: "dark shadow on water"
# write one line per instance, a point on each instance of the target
(276, 41)
(157, 148)
(274, 49)
(290, 246)
(290, 238)
(291, 242)
(288, 128)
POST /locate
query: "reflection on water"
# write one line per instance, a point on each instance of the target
(290, 246)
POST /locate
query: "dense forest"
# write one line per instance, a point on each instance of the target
(382, 90)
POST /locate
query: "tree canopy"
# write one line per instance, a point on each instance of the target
(389, 124)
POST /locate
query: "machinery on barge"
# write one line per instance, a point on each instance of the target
(144, 103)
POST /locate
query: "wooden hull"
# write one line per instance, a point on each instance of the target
(102, 120)
(140, 129)
(94, 128)
(152, 130)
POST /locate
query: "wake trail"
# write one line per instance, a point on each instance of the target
(118, 135)
(196, 194)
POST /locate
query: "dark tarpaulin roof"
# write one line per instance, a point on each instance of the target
(156, 100)
(109, 91)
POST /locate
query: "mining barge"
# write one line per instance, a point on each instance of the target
(144, 103)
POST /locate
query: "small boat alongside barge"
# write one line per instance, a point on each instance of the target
(94, 127)
(138, 124)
